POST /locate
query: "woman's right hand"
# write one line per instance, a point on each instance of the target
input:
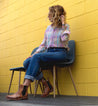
(29, 57)
(63, 19)
(32, 55)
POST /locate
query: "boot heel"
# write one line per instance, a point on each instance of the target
(24, 98)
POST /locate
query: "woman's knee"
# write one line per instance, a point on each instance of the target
(26, 62)
(35, 57)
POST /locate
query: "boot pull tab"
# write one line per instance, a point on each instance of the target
(24, 90)
(50, 86)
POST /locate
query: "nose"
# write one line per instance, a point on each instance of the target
(49, 15)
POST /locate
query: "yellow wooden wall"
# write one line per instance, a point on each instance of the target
(22, 27)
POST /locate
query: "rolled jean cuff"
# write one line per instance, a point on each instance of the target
(29, 77)
(39, 76)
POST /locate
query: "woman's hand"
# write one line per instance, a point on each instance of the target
(63, 19)
(29, 57)
(32, 55)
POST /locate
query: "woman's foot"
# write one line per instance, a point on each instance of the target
(48, 88)
(20, 95)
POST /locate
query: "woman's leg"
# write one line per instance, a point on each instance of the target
(27, 82)
(26, 63)
(32, 70)
(22, 92)
(34, 65)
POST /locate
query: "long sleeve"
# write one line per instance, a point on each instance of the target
(66, 33)
(42, 46)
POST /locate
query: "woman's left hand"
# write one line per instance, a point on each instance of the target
(29, 57)
(63, 19)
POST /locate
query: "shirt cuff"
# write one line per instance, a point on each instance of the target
(66, 32)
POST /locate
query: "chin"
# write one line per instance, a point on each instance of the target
(50, 20)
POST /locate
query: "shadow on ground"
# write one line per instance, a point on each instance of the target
(50, 101)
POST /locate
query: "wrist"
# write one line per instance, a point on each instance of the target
(63, 26)
(34, 53)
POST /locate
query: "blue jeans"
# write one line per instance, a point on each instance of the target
(32, 65)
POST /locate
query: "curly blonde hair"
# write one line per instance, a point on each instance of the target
(56, 12)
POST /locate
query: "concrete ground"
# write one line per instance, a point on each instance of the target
(50, 101)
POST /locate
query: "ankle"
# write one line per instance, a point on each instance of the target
(27, 82)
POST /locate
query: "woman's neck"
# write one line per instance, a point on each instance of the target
(55, 26)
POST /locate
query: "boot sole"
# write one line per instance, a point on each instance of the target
(15, 99)
(51, 90)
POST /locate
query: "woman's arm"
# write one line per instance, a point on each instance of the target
(66, 33)
(41, 48)
(65, 27)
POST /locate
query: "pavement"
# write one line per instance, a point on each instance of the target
(50, 101)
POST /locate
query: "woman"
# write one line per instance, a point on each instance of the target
(56, 42)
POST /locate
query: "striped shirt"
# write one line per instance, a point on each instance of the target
(55, 37)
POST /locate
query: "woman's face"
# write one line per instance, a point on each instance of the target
(50, 16)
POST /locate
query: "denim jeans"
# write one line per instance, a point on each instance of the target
(32, 65)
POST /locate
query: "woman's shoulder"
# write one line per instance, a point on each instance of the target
(48, 27)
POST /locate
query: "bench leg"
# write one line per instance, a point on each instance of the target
(36, 86)
(54, 69)
(11, 82)
(30, 89)
(41, 87)
(56, 80)
(72, 80)
(19, 79)
(57, 83)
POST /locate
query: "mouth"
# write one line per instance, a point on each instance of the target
(50, 20)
